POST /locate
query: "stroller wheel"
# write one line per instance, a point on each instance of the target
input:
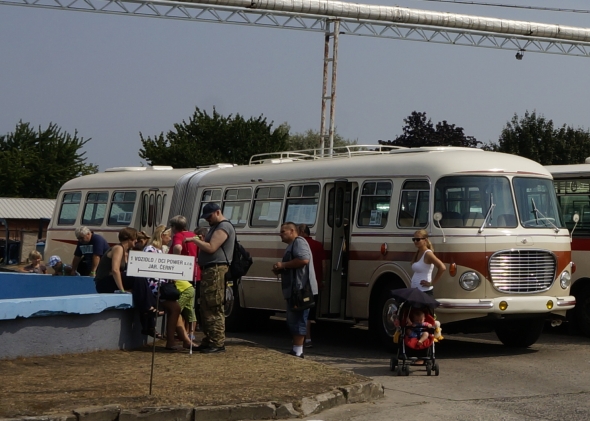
(392, 364)
(436, 369)
(406, 370)
(398, 370)
(428, 368)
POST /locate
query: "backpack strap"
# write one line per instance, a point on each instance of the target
(235, 239)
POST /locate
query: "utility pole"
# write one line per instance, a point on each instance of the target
(333, 60)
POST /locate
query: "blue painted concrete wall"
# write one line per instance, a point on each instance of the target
(50, 315)
(29, 285)
(66, 305)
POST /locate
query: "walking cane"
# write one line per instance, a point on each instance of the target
(191, 324)
(154, 342)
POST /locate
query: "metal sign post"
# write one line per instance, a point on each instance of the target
(160, 266)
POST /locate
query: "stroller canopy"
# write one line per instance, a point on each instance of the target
(414, 297)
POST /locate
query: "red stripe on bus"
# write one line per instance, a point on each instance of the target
(581, 244)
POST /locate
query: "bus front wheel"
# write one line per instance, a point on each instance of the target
(520, 333)
(582, 309)
(381, 318)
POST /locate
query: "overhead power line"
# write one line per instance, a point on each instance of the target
(512, 6)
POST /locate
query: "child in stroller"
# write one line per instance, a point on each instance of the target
(418, 331)
(415, 338)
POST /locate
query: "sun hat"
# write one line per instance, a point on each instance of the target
(53, 260)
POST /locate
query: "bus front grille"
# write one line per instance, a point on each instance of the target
(522, 271)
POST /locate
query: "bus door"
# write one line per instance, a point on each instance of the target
(340, 208)
(151, 209)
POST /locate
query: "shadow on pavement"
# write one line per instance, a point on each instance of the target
(344, 344)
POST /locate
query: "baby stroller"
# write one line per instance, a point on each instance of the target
(410, 352)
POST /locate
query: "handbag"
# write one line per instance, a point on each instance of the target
(301, 299)
(169, 292)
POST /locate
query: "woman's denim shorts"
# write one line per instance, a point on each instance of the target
(297, 322)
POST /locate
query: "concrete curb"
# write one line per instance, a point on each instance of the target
(355, 393)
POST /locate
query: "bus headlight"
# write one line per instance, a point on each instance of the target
(469, 281)
(565, 280)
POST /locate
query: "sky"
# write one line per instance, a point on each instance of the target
(111, 77)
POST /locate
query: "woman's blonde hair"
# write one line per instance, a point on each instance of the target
(156, 239)
(422, 234)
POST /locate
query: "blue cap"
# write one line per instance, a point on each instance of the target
(209, 209)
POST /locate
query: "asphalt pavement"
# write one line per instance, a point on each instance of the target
(480, 379)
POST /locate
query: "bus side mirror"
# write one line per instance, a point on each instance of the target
(576, 219)
(437, 217)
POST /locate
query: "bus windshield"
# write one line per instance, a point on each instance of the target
(537, 204)
(466, 201)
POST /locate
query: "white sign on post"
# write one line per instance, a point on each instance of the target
(158, 265)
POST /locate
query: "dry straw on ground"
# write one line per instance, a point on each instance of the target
(245, 373)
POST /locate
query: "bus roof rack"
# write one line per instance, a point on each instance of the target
(349, 151)
(150, 168)
(435, 149)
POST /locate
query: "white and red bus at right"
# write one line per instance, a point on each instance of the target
(572, 185)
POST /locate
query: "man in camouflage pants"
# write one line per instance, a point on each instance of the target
(215, 253)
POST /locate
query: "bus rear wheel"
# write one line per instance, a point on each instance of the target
(238, 318)
(520, 333)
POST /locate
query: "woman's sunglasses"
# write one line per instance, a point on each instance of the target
(415, 240)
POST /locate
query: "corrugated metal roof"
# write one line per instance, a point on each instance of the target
(17, 208)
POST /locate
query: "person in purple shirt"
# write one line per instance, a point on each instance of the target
(90, 249)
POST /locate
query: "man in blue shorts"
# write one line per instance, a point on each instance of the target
(296, 268)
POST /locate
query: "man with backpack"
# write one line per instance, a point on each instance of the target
(216, 250)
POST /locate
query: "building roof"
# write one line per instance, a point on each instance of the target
(19, 208)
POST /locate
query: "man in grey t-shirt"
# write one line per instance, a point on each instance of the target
(215, 254)
(296, 268)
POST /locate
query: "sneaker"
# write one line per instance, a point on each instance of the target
(202, 347)
(213, 350)
(308, 344)
(294, 354)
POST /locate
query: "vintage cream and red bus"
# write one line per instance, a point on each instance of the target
(493, 220)
(572, 185)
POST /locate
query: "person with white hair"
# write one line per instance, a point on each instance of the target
(88, 252)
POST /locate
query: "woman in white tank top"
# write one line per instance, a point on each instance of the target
(424, 262)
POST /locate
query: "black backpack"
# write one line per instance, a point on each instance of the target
(241, 260)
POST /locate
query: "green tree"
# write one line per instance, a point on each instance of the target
(310, 139)
(36, 163)
(209, 139)
(536, 138)
(419, 131)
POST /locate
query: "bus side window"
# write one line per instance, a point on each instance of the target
(302, 204)
(413, 205)
(122, 206)
(212, 195)
(268, 202)
(69, 208)
(236, 205)
(95, 208)
(375, 203)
